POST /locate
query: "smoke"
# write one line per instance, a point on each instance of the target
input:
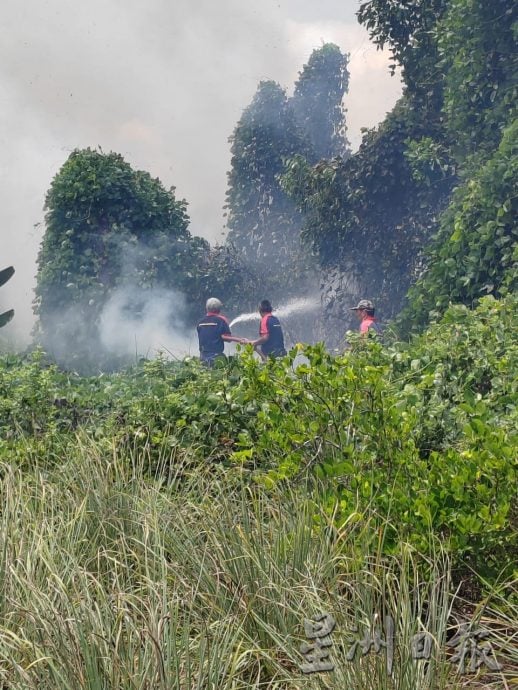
(145, 322)
(132, 324)
(100, 332)
(161, 82)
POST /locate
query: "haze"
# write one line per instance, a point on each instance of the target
(163, 82)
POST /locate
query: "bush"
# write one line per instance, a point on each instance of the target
(422, 435)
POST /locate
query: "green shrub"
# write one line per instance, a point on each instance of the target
(422, 434)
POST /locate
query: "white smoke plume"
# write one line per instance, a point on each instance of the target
(143, 323)
(161, 82)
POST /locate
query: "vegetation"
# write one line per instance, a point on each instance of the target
(369, 215)
(264, 226)
(474, 252)
(477, 51)
(317, 102)
(408, 30)
(428, 195)
(426, 432)
(480, 256)
(264, 223)
(169, 525)
(119, 581)
(108, 227)
(190, 519)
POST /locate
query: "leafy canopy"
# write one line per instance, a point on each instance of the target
(107, 225)
(264, 225)
(475, 252)
(318, 102)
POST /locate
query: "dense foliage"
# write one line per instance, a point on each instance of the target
(370, 217)
(425, 432)
(478, 58)
(264, 223)
(264, 226)
(222, 271)
(408, 29)
(318, 102)
(107, 226)
(370, 214)
(475, 252)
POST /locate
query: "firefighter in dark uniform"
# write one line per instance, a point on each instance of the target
(213, 332)
(271, 340)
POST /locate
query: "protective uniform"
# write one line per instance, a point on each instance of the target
(210, 330)
(274, 346)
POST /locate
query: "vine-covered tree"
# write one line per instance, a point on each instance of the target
(222, 272)
(264, 224)
(409, 29)
(318, 102)
(479, 60)
(475, 251)
(106, 225)
(369, 216)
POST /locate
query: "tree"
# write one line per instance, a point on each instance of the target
(475, 251)
(106, 224)
(369, 217)
(478, 57)
(318, 102)
(408, 27)
(264, 224)
(223, 273)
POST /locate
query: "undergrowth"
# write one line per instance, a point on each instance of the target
(172, 526)
(112, 579)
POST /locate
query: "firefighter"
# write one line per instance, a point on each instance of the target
(213, 332)
(271, 340)
(365, 313)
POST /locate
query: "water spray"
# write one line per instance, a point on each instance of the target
(292, 307)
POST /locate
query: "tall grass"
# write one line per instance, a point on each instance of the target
(111, 580)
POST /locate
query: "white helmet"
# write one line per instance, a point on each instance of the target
(213, 304)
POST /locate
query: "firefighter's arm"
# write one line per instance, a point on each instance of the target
(262, 339)
(257, 345)
(234, 339)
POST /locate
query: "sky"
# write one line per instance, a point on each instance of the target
(163, 82)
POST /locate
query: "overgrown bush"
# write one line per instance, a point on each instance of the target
(422, 434)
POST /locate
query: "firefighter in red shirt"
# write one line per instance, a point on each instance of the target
(365, 313)
(270, 342)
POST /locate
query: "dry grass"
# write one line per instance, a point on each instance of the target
(110, 580)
